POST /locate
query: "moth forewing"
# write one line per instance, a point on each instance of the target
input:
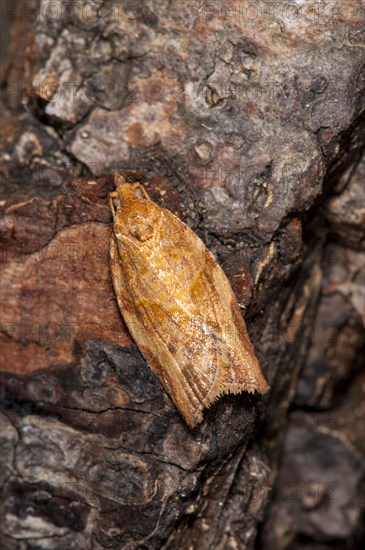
(178, 305)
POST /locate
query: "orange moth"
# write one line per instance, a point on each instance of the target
(178, 305)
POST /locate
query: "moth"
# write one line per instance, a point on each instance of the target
(178, 305)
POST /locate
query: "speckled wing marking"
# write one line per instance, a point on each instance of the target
(178, 305)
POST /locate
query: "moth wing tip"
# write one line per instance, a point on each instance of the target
(264, 388)
(192, 418)
(261, 387)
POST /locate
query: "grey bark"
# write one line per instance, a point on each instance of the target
(246, 120)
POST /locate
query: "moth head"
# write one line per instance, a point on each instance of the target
(134, 214)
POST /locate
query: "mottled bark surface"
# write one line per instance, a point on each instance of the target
(246, 120)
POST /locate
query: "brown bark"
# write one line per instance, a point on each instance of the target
(244, 119)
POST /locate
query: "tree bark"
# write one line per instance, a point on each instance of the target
(245, 120)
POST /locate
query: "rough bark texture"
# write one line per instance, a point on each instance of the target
(246, 120)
